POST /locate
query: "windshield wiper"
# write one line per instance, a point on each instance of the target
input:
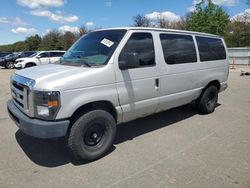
(86, 64)
(76, 63)
(79, 56)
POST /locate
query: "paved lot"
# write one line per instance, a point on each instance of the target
(176, 148)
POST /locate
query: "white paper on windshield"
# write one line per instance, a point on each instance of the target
(107, 42)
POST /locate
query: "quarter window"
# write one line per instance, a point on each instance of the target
(44, 54)
(142, 44)
(211, 49)
(178, 49)
(56, 54)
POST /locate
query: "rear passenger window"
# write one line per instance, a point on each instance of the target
(211, 49)
(178, 48)
(142, 44)
(56, 54)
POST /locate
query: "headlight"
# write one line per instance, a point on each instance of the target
(19, 61)
(46, 104)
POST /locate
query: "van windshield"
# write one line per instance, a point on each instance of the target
(93, 49)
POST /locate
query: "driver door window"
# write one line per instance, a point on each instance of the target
(44, 58)
(141, 44)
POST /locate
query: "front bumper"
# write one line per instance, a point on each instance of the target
(18, 65)
(35, 127)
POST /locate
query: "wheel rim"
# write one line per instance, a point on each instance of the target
(10, 65)
(93, 135)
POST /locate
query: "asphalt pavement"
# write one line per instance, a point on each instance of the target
(176, 148)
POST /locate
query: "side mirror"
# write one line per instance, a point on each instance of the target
(38, 57)
(131, 60)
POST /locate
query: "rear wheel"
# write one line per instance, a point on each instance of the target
(92, 135)
(208, 100)
(9, 65)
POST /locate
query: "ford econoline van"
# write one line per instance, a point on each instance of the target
(111, 76)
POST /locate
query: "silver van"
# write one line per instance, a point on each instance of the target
(117, 75)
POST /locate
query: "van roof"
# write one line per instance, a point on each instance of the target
(161, 29)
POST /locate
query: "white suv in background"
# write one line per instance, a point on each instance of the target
(39, 58)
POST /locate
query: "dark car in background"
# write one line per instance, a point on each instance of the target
(8, 60)
(3, 54)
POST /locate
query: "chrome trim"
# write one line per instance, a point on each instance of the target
(25, 99)
(22, 81)
(17, 91)
(17, 98)
(31, 103)
(21, 91)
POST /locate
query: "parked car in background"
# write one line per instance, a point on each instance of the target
(2, 55)
(8, 61)
(39, 58)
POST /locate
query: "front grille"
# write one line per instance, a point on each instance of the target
(20, 96)
(21, 91)
(17, 86)
(20, 104)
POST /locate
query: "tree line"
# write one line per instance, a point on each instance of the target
(207, 17)
(53, 40)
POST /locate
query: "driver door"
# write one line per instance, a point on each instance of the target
(44, 58)
(138, 88)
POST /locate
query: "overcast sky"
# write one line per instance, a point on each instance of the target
(22, 18)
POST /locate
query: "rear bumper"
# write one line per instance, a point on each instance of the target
(35, 127)
(2, 63)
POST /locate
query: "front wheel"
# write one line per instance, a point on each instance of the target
(92, 135)
(10, 65)
(208, 100)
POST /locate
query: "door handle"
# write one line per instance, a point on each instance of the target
(157, 83)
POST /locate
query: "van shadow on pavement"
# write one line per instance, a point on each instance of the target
(53, 152)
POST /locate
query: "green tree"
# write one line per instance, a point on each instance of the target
(68, 39)
(33, 42)
(180, 24)
(82, 31)
(52, 41)
(208, 18)
(19, 46)
(238, 31)
(6, 48)
(141, 21)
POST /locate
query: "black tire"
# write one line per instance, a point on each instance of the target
(208, 100)
(92, 135)
(30, 65)
(9, 65)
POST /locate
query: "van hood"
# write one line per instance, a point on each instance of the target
(62, 77)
